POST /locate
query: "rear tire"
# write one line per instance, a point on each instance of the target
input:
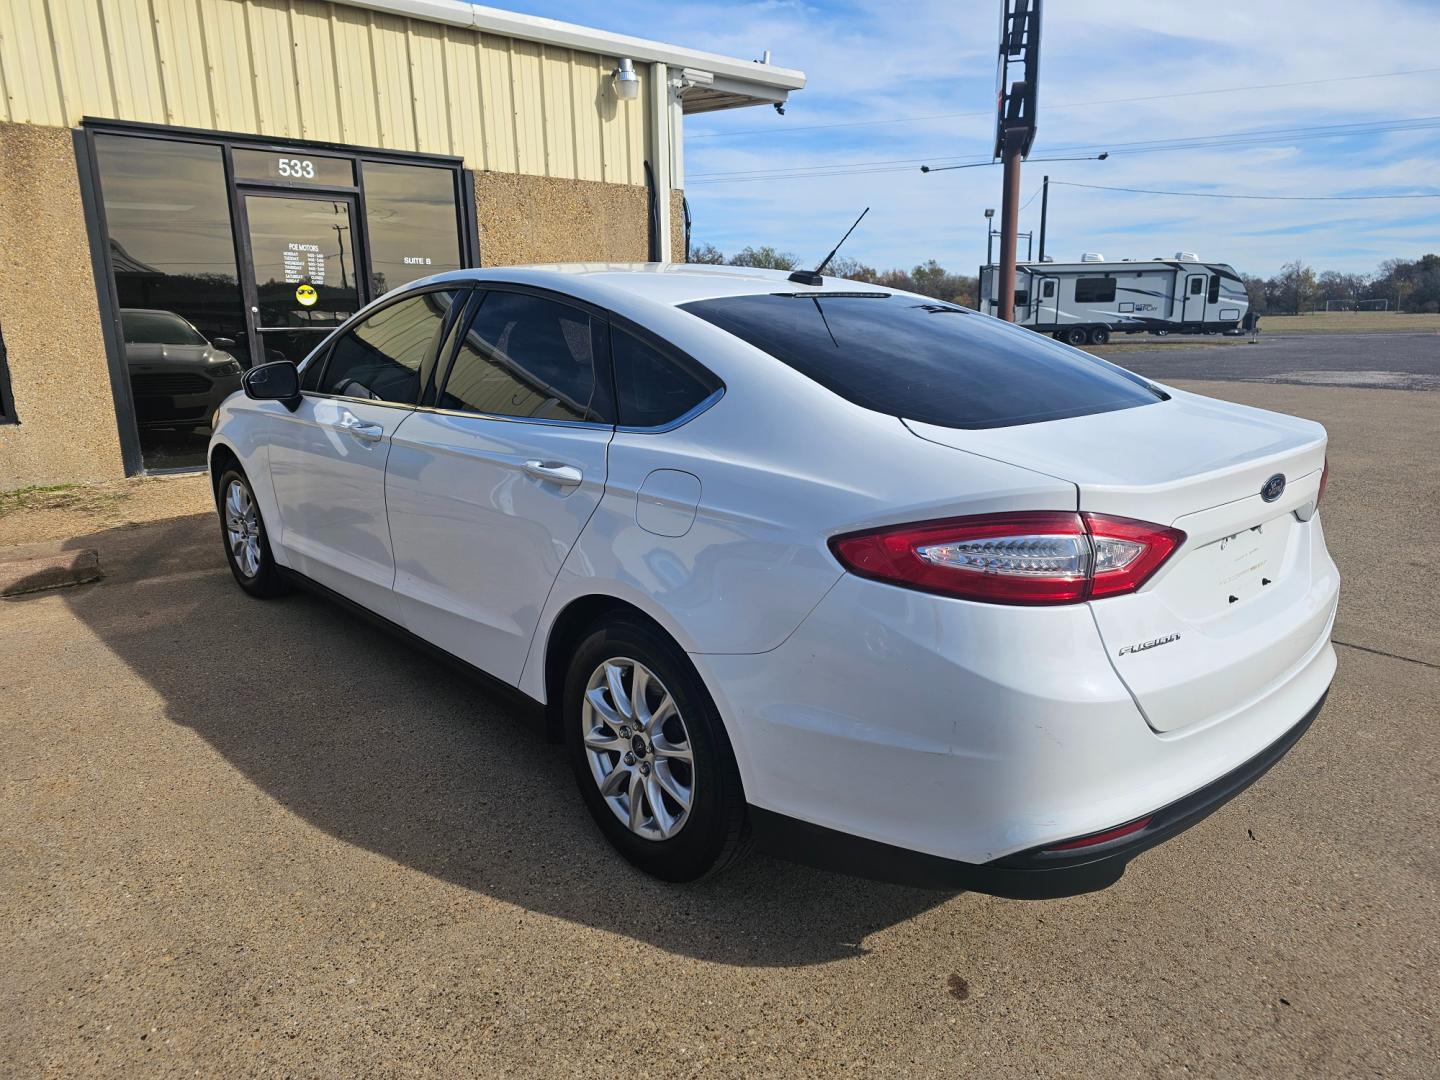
(1076, 335)
(667, 793)
(1100, 335)
(247, 546)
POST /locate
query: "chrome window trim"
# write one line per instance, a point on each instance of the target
(544, 421)
(316, 394)
(681, 420)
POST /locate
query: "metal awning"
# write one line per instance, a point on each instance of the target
(733, 83)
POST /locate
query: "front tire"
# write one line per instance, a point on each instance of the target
(247, 547)
(651, 755)
(1100, 335)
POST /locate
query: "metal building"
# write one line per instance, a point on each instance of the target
(188, 187)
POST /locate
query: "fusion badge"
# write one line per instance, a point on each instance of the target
(1153, 643)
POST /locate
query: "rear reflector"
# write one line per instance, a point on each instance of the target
(1096, 839)
(1045, 557)
(1324, 479)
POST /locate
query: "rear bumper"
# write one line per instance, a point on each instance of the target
(1039, 873)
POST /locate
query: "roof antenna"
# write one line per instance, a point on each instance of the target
(812, 277)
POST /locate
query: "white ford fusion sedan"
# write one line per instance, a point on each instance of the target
(867, 579)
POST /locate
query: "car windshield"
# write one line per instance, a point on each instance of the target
(159, 328)
(925, 360)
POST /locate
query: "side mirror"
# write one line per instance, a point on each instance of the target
(226, 343)
(278, 381)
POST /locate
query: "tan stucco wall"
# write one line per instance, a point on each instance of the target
(530, 219)
(677, 226)
(50, 318)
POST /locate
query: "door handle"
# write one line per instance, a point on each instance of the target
(366, 432)
(363, 431)
(555, 472)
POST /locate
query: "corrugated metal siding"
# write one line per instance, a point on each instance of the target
(307, 69)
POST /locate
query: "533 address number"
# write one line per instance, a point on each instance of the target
(296, 168)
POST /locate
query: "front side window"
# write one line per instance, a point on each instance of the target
(529, 357)
(651, 388)
(1213, 295)
(381, 358)
(927, 361)
(1094, 290)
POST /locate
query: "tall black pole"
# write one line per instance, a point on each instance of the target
(989, 243)
(1044, 205)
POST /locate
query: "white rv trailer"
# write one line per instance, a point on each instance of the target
(1092, 299)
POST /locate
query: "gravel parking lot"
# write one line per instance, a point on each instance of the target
(246, 838)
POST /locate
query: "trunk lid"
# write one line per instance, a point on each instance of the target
(1248, 596)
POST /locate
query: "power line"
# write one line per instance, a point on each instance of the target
(1033, 196)
(1226, 195)
(1070, 105)
(1145, 146)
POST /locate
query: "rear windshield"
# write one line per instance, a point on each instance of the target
(927, 361)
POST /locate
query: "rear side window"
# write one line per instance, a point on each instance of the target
(927, 361)
(651, 388)
(1094, 290)
(381, 357)
(529, 357)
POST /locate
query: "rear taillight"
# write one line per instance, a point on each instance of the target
(1324, 479)
(1024, 558)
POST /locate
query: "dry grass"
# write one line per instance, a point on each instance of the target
(33, 514)
(1322, 322)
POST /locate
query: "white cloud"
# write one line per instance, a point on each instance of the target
(868, 60)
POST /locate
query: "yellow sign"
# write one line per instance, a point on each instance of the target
(306, 295)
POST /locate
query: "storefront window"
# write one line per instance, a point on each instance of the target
(216, 275)
(173, 253)
(414, 226)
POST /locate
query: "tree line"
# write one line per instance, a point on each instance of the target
(1407, 284)
(927, 279)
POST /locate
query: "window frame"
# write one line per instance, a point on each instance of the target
(322, 352)
(602, 355)
(675, 356)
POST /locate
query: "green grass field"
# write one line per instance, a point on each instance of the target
(1352, 322)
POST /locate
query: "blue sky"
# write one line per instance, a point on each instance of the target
(934, 59)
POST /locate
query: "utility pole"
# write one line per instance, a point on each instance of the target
(1015, 128)
(1044, 206)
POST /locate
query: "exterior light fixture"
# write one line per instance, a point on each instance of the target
(627, 82)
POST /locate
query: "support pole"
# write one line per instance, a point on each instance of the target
(1044, 209)
(1009, 228)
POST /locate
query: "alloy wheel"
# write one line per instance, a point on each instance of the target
(242, 528)
(638, 748)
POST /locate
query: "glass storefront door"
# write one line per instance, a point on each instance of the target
(303, 281)
(226, 252)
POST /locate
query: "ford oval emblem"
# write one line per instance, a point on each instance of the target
(1273, 488)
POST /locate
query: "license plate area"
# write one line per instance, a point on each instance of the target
(1234, 570)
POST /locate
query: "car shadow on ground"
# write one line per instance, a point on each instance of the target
(370, 739)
